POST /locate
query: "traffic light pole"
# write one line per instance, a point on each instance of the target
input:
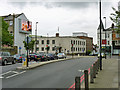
(27, 51)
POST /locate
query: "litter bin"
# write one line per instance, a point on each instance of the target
(24, 62)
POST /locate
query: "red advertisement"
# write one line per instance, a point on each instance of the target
(26, 25)
(104, 42)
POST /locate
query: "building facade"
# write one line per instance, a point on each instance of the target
(104, 41)
(61, 44)
(89, 40)
(16, 22)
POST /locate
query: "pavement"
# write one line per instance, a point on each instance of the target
(107, 78)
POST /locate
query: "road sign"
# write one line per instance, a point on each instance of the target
(29, 39)
(20, 48)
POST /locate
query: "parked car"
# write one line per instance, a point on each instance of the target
(19, 57)
(5, 58)
(34, 56)
(43, 56)
(93, 54)
(61, 55)
(102, 54)
(51, 56)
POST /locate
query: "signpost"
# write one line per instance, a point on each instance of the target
(27, 40)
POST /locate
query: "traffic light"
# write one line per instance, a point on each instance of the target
(47, 47)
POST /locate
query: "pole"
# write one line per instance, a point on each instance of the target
(100, 38)
(27, 51)
(36, 38)
(105, 37)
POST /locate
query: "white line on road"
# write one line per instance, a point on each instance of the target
(81, 70)
(1, 77)
(6, 73)
(15, 74)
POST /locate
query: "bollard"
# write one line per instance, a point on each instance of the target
(94, 74)
(86, 80)
(77, 83)
(91, 75)
(97, 67)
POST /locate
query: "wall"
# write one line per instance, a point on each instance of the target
(19, 37)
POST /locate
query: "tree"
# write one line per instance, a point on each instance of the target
(7, 38)
(115, 17)
(30, 45)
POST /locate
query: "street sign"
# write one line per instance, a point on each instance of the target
(20, 48)
(29, 39)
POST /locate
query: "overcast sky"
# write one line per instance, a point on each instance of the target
(70, 16)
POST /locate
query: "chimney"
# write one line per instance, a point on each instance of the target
(57, 34)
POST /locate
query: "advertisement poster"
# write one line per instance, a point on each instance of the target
(26, 26)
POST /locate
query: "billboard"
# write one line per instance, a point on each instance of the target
(25, 26)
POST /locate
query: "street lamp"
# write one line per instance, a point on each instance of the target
(36, 38)
(105, 36)
(100, 35)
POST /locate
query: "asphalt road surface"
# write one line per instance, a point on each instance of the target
(54, 75)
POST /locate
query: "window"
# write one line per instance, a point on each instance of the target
(108, 35)
(80, 42)
(53, 41)
(37, 48)
(80, 49)
(42, 41)
(108, 43)
(117, 35)
(53, 48)
(71, 42)
(42, 48)
(37, 42)
(84, 43)
(76, 49)
(11, 23)
(48, 42)
(76, 42)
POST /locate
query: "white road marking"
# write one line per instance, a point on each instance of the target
(6, 73)
(15, 74)
(81, 70)
(1, 77)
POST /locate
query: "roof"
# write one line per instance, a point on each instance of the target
(10, 17)
(102, 26)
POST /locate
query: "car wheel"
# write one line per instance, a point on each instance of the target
(4, 62)
(14, 61)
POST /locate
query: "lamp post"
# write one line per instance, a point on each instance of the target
(100, 36)
(36, 38)
(105, 36)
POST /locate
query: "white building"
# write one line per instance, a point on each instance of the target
(80, 34)
(17, 29)
(61, 44)
(107, 40)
